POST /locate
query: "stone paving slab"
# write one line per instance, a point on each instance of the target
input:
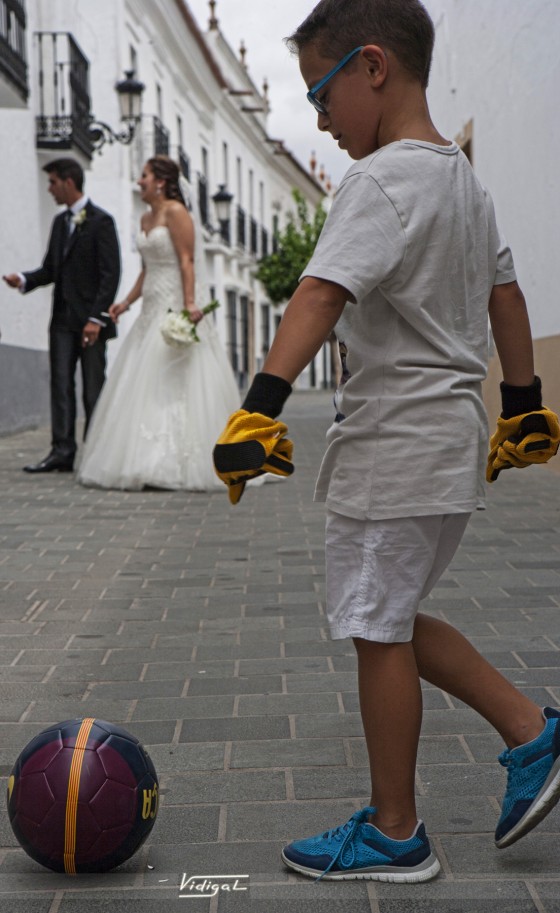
(215, 653)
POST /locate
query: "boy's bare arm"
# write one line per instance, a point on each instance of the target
(512, 334)
(307, 322)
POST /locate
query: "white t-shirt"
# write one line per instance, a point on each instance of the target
(412, 236)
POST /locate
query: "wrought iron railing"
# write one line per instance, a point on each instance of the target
(64, 100)
(13, 57)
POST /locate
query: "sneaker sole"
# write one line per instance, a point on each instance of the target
(427, 870)
(543, 804)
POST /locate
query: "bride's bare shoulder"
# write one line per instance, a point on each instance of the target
(175, 210)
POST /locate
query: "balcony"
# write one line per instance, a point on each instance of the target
(14, 89)
(64, 99)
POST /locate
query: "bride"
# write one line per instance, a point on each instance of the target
(162, 408)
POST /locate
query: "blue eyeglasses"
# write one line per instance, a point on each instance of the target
(312, 94)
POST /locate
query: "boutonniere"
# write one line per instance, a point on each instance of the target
(79, 218)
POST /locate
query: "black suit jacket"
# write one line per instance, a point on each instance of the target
(86, 275)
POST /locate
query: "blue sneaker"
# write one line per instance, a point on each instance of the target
(357, 849)
(533, 786)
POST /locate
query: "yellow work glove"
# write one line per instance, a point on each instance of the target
(527, 432)
(253, 441)
(282, 450)
(523, 440)
(250, 445)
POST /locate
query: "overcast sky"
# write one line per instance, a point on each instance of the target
(262, 24)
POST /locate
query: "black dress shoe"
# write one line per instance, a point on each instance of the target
(51, 463)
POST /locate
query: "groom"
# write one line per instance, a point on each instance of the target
(83, 262)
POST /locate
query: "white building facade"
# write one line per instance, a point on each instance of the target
(59, 66)
(494, 87)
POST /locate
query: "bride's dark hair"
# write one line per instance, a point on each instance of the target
(165, 169)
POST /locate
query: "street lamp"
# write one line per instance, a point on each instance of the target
(222, 202)
(129, 91)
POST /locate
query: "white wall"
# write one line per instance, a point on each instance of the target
(26, 214)
(497, 62)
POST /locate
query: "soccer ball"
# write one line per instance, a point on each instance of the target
(83, 796)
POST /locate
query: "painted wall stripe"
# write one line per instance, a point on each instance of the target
(72, 796)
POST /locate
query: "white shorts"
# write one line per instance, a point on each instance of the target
(379, 570)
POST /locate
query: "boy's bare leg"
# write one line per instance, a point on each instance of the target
(446, 659)
(391, 708)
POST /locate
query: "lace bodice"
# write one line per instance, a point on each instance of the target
(162, 288)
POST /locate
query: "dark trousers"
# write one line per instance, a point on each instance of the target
(65, 351)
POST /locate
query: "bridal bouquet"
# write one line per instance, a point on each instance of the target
(179, 330)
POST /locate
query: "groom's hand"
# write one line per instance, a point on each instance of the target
(13, 280)
(90, 334)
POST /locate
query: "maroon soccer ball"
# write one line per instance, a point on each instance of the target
(83, 796)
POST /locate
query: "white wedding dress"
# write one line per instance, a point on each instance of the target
(162, 408)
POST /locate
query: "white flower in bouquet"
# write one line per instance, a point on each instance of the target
(176, 330)
(179, 330)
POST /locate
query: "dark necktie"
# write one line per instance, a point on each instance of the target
(67, 234)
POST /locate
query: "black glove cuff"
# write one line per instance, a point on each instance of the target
(267, 394)
(518, 400)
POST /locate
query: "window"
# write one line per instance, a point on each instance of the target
(184, 161)
(275, 231)
(239, 181)
(225, 163)
(261, 202)
(251, 192)
(231, 325)
(245, 338)
(265, 328)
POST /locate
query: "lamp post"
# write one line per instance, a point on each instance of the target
(130, 92)
(222, 202)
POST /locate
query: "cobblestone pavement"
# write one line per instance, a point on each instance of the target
(201, 629)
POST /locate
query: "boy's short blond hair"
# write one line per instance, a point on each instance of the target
(402, 26)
